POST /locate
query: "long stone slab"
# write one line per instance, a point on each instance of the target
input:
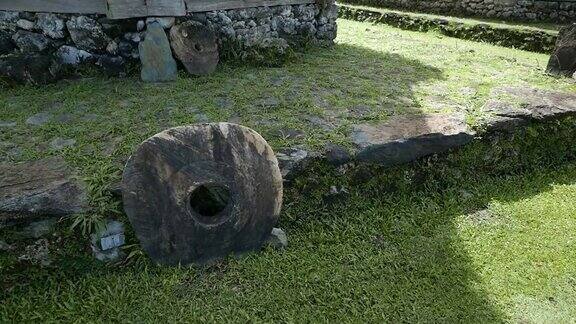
(511, 107)
(403, 139)
(42, 187)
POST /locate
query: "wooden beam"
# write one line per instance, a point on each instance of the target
(59, 6)
(210, 5)
(118, 9)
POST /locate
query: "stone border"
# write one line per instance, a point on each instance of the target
(405, 139)
(524, 39)
(523, 10)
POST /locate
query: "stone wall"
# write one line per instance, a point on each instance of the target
(529, 10)
(28, 39)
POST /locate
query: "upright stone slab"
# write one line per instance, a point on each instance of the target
(563, 60)
(158, 65)
(195, 46)
(403, 139)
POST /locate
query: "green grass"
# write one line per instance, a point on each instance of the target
(482, 235)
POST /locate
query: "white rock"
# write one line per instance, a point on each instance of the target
(25, 24)
(72, 55)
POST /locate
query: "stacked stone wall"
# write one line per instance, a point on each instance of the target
(524, 10)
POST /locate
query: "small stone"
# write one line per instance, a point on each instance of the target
(64, 118)
(60, 143)
(337, 155)
(5, 247)
(25, 24)
(112, 48)
(292, 161)
(72, 56)
(114, 66)
(268, 102)
(107, 242)
(140, 25)
(87, 34)
(40, 228)
(30, 42)
(165, 22)
(278, 239)
(336, 194)
(158, 65)
(37, 253)
(289, 133)
(51, 25)
(39, 119)
(7, 124)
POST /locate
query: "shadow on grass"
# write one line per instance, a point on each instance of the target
(396, 244)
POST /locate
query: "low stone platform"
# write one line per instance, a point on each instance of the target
(49, 187)
(404, 139)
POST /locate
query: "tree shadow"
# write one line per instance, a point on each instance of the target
(402, 222)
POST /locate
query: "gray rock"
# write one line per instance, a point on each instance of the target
(72, 56)
(403, 139)
(563, 59)
(37, 253)
(87, 34)
(39, 119)
(25, 24)
(6, 44)
(30, 68)
(277, 239)
(165, 22)
(42, 187)
(337, 155)
(8, 18)
(158, 65)
(51, 25)
(511, 107)
(106, 243)
(39, 229)
(4, 247)
(292, 161)
(114, 66)
(30, 42)
(7, 124)
(60, 143)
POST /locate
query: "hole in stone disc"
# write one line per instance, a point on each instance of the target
(209, 200)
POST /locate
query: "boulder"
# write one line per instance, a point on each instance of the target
(510, 107)
(112, 66)
(195, 46)
(403, 139)
(71, 55)
(30, 42)
(563, 59)
(42, 187)
(88, 34)
(30, 68)
(158, 65)
(51, 25)
(6, 44)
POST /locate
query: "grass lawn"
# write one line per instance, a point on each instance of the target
(465, 246)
